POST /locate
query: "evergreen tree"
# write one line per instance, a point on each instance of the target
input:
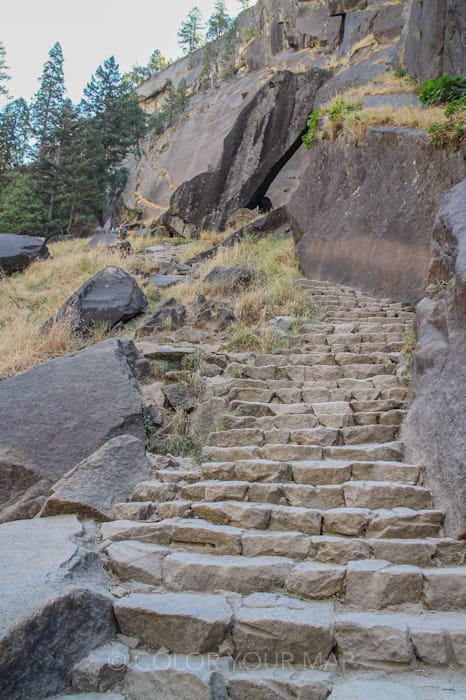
(14, 135)
(47, 113)
(219, 22)
(47, 104)
(191, 32)
(21, 208)
(157, 62)
(114, 123)
(4, 76)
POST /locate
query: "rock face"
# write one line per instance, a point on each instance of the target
(57, 414)
(362, 214)
(106, 240)
(96, 484)
(17, 252)
(434, 429)
(266, 133)
(111, 296)
(435, 39)
(52, 614)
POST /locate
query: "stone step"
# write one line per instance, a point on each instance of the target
(364, 584)
(314, 472)
(368, 640)
(337, 545)
(372, 495)
(180, 622)
(186, 571)
(399, 523)
(278, 683)
(390, 451)
(168, 676)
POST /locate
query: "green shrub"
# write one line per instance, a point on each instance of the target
(442, 90)
(311, 134)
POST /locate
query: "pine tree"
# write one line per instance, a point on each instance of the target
(4, 76)
(191, 32)
(14, 135)
(21, 208)
(157, 62)
(47, 104)
(219, 22)
(114, 123)
(47, 113)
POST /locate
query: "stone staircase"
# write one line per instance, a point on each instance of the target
(303, 558)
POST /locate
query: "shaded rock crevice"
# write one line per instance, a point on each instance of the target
(265, 135)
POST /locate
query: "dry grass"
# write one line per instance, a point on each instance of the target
(386, 84)
(30, 298)
(368, 44)
(357, 123)
(273, 293)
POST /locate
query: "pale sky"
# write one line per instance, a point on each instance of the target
(89, 31)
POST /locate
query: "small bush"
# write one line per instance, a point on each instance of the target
(442, 90)
(312, 125)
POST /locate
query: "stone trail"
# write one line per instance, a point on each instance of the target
(303, 558)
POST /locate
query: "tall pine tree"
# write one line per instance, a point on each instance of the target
(219, 22)
(114, 125)
(191, 32)
(47, 111)
(14, 135)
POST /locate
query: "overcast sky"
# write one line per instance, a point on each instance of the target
(89, 31)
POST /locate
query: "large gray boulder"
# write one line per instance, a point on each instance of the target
(59, 413)
(111, 296)
(110, 243)
(434, 430)
(435, 38)
(265, 134)
(362, 214)
(96, 484)
(17, 252)
(53, 606)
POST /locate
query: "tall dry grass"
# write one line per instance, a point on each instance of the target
(273, 292)
(28, 299)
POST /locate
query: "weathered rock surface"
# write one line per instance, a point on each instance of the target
(167, 312)
(435, 39)
(96, 484)
(434, 428)
(102, 668)
(54, 611)
(265, 134)
(111, 296)
(230, 278)
(111, 243)
(347, 232)
(174, 676)
(57, 414)
(17, 252)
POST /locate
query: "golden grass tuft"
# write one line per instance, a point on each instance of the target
(357, 124)
(273, 293)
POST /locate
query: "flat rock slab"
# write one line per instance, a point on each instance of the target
(174, 676)
(57, 414)
(52, 606)
(277, 683)
(163, 281)
(17, 252)
(153, 351)
(181, 622)
(96, 484)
